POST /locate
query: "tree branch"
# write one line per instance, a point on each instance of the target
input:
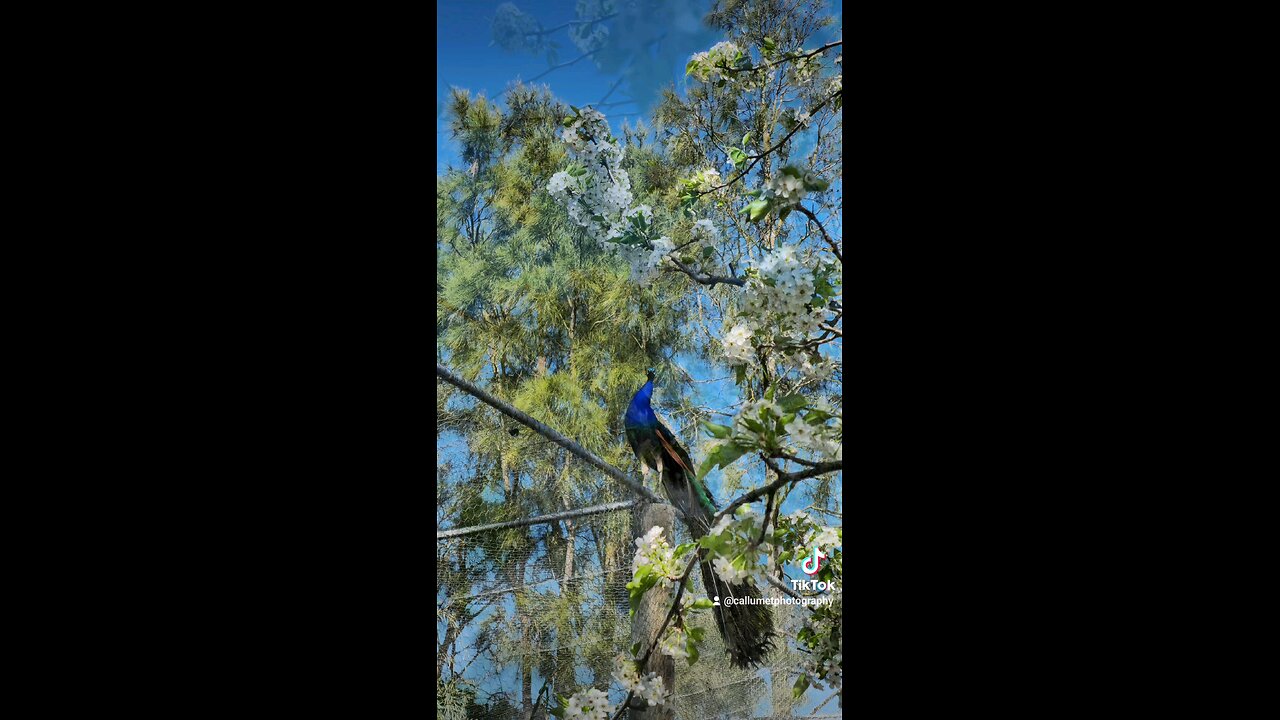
(757, 158)
(783, 479)
(553, 68)
(711, 280)
(809, 214)
(538, 33)
(754, 68)
(443, 373)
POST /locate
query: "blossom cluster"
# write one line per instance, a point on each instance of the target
(708, 179)
(652, 549)
(821, 439)
(706, 66)
(776, 300)
(710, 67)
(596, 192)
(675, 643)
(811, 366)
(648, 688)
(589, 704)
(802, 534)
(705, 233)
(589, 37)
(788, 189)
(732, 537)
(737, 343)
(821, 638)
(805, 70)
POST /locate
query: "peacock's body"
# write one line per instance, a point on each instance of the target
(747, 629)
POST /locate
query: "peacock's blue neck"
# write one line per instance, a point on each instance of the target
(640, 413)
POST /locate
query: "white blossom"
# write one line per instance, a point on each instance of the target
(590, 704)
(673, 644)
(652, 549)
(737, 344)
(727, 572)
(648, 688)
(801, 433)
(708, 179)
(827, 538)
(705, 232)
(787, 188)
(723, 524)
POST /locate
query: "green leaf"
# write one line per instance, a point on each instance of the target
(688, 68)
(568, 121)
(802, 684)
(785, 212)
(768, 395)
(740, 374)
(720, 431)
(697, 633)
(683, 548)
(793, 171)
(558, 711)
(792, 403)
(723, 456)
(692, 647)
(635, 649)
(701, 604)
(815, 184)
(746, 139)
(707, 252)
(769, 45)
(736, 156)
(575, 110)
(757, 209)
(755, 426)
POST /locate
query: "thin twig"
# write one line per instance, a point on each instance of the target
(758, 158)
(783, 479)
(793, 458)
(711, 280)
(537, 33)
(563, 65)
(754, 68)
(809, 214)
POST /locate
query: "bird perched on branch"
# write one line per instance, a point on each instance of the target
(747, 629)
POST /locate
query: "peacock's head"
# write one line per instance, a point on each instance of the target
(650, 374)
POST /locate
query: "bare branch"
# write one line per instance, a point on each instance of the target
(443, 373)
(783, 479)
(754, 68)
(553, 68)
(757, 158)
(814, 218)
(711, 280)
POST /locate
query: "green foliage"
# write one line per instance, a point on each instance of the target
(723, 454)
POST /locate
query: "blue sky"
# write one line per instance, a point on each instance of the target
(469, 59)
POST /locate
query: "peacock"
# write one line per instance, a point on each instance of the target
(747, 629)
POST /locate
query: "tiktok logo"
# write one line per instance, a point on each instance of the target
(812, 565)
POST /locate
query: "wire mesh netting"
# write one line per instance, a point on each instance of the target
(530, 612)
